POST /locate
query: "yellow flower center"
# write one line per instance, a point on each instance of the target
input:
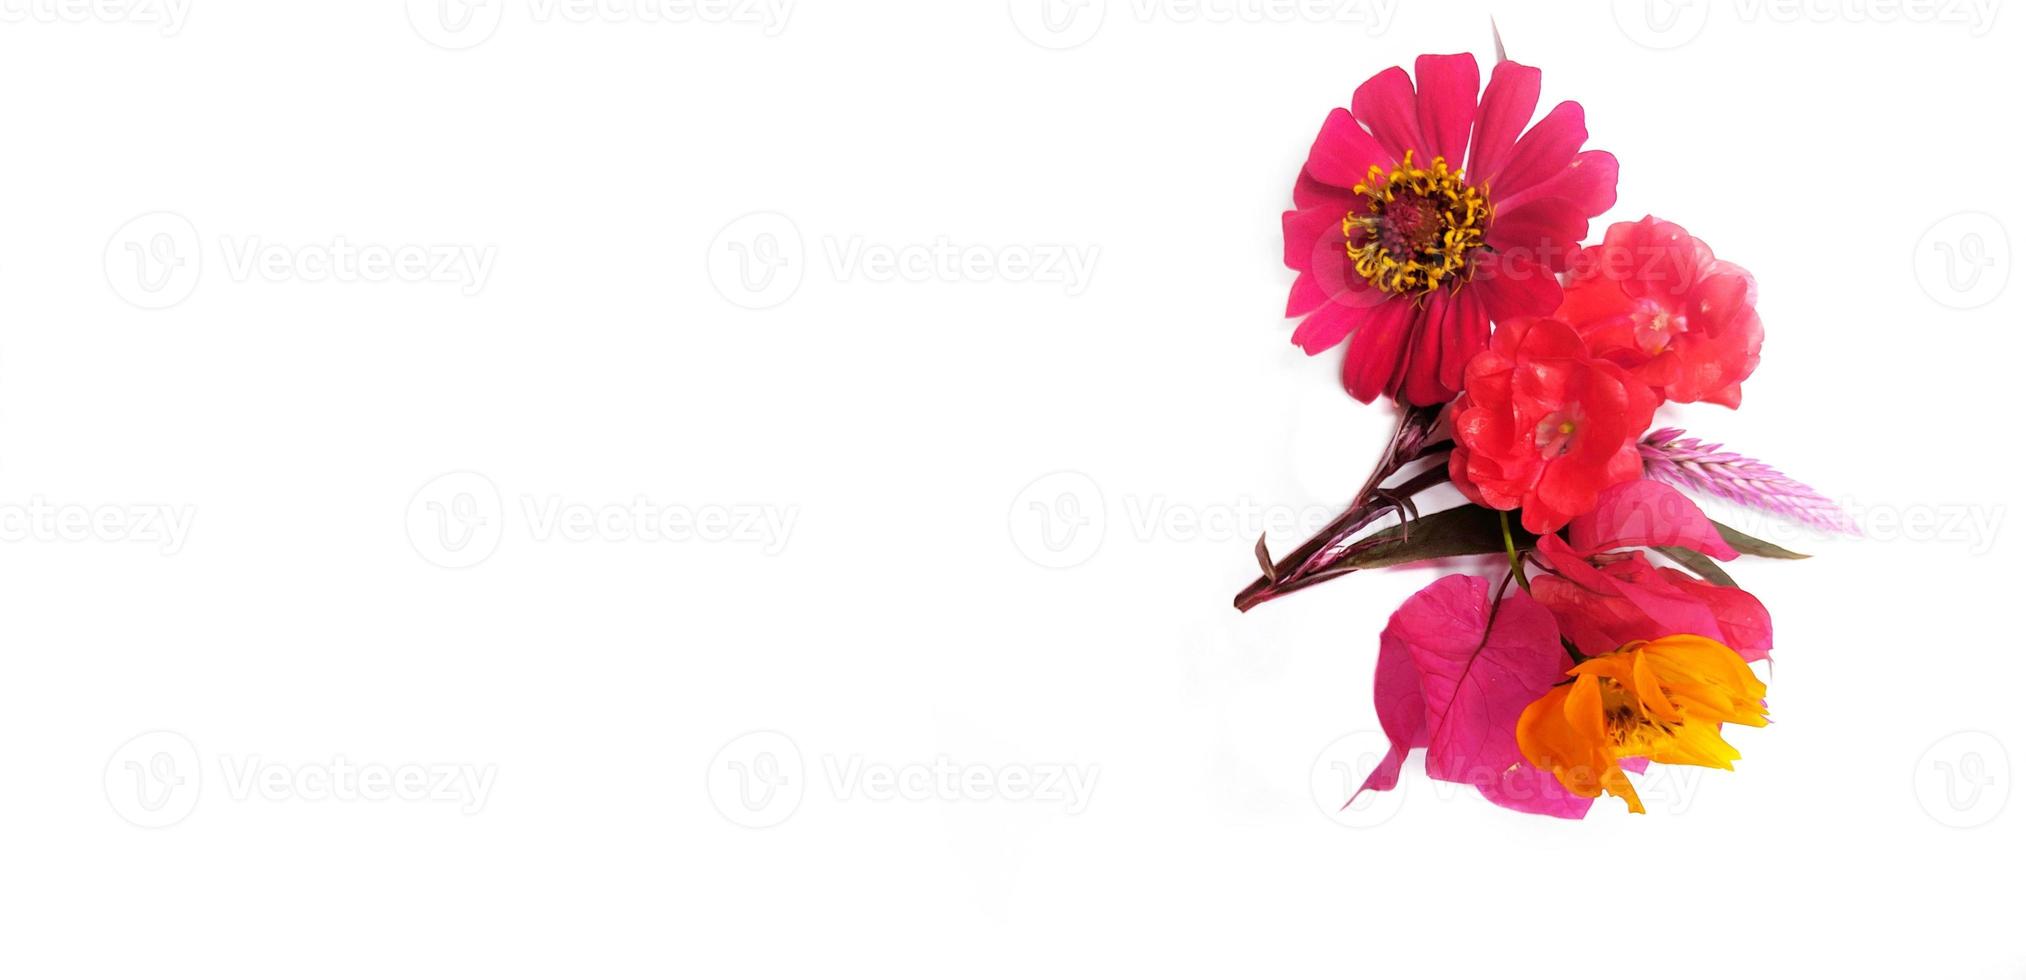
(1416, 227)
(1654, 327)
(1632, 731)
(1556, 434)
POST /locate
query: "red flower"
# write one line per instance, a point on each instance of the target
(1411, 247)
(1654, 300)
(1605, 595)
(1543, 427)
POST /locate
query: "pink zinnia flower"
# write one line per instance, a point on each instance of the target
(1422, 218)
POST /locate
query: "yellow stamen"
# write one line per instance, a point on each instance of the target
(1416, 227)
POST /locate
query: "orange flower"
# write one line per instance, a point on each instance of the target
(1664, 700)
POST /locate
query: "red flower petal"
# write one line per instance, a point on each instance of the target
(1508, 103)
(1654, 300)
(1305, 295)
(1453, 330)
(1478, 667)
(1373, 359)
(1343, 153)
(1333, 321)
(1308, 237)
(1545, 229)
(1403, 714)
(1646, 514)
(1385, 104)
(1544, 151)
(1513, 286)
(1448, 103)
(1590, 182)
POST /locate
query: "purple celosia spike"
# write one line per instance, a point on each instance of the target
(1696, 465)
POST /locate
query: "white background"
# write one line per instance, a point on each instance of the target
(929, 443)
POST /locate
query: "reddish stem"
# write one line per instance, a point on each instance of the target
(1312, 563)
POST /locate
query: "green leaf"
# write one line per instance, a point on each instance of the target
(1749, 545)
(1701, 564)
(1467, 530)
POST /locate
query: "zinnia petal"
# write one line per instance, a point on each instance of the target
(1332, 322)
(1447, 98)
(1385, 103)
(1590, 182)
(1514, 286)
(1343, 153)
(1544, 151)
(1508, 103)
(1377, 347)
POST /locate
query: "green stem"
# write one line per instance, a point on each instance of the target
(1511, 553)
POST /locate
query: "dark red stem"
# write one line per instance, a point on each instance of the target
(1311, 564)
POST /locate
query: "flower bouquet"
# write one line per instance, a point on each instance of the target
(1438, 238)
